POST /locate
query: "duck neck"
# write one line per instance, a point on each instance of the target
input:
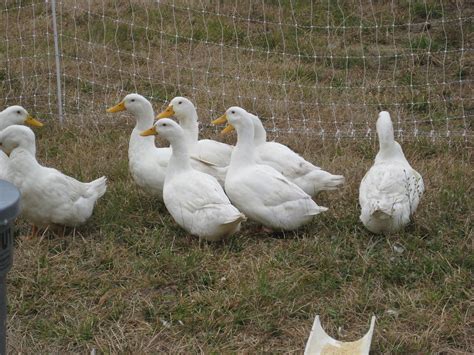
(390, 151)
(179, 161)
(387, 144)
(260, 135)
(22, 161)
(244, 151)
(5, 121)
(190, 126)
(144, 118)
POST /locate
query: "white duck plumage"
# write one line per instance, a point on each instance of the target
(47, 195)
(13, 115)
(146, 162)
(310, 178)
(194, 199)
(208, 150)
(260, 191)
(391, 190)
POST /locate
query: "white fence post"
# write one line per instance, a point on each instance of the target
(58, 62)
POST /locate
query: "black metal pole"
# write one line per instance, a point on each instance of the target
(3, 316)
(9, 209)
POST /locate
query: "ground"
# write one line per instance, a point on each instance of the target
(132, 280)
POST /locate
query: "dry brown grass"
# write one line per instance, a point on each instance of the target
(132, 281)
(302, 78)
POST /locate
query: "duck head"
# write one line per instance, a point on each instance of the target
(133, 103)
(236, 118)
(17, 115)
(165, 127)
(180, 107)
(17, 136)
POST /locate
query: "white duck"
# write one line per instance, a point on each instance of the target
(146, 162)
(214, 152)
(194, 199)
(391, 190)
(310, 178)
(47, 195)
(13, 115)
(259, 191)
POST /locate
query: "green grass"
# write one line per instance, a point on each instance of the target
(168, 50)
(132, 280)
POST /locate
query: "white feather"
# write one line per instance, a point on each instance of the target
(391, 190)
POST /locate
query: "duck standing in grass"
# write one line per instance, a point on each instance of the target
(259, 191)
(391, 190)
(194, 199)
(48, 197)
(146, 162)
(13, 115)
(310, 178)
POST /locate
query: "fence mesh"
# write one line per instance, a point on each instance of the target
(322, 68)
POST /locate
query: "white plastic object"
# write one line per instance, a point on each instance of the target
(320, 343)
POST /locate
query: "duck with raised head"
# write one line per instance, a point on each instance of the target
(309, 177)
(390, 191)
(208, 150)
(259, 191)
(194, 199)
(146, 162)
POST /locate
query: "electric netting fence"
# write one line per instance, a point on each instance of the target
(321, 68)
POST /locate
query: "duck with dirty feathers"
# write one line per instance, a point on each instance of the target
(391, 190)
(194, 199)
(48, 197)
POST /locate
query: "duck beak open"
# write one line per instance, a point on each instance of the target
(166, 113)
(33, 122)
(117, 108)
(149, 132)
(220, 120)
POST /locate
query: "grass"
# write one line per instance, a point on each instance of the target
(326, 66)
(132, 280)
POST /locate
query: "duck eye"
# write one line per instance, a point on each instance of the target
(164, 124)
(133, 100)
(233, 112)
(18, 112)
(180, 102)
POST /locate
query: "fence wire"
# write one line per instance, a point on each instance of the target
(321, 68)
